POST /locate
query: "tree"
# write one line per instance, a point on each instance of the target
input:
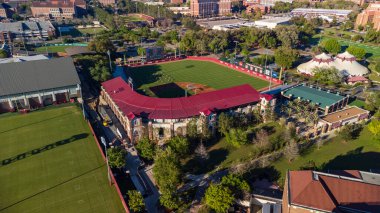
(141, 51)
(201, 152)
(236, 184)
(116, 157)
(219, 197)
(358, 52)
(350, 131)
(169, 200)
(288, 35)
(224, 123)
(100, 72)
(262, 138)
(146, 148)
(136, 201)
(332, 46)
(326, 75)
(285, 57)
(236, 137)
(166, 170)
(291, 150)
(179, 145)
(101, 45)
(374, 128)
(192, 129)
(3, 54)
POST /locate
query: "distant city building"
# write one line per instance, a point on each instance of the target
(34, 84)
(181, 10)
(210, 8)
(6, 11)
(314, 12)
(26, 30)
(107, 2)
(344, 62)
(56, 9)
(335, 191)
(371, 15)
(273, 22)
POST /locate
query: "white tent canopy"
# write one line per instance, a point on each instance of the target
(344, 62)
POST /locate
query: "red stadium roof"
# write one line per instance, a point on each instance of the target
(130, 101)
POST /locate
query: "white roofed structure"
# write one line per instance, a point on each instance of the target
(344, 62)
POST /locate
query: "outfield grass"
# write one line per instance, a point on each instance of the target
(362, 153)
(50, 163)
(206, 73)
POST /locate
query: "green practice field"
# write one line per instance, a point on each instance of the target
(50, 163)
(206, 73)
(51, 49)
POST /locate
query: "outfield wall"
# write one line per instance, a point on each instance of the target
(111, 174)
(217, 61)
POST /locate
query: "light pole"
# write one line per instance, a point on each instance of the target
(236, 42)
(109, 58)
(105, 150)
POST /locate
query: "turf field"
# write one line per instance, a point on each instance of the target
(201, 72)
(50, 163)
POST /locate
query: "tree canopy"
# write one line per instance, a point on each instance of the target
(146, 148)
(374, 128)
(179, 145)
(101, 45)
(236, 137)
(100, 72)
(116, 157)
(285, 57)
(358, 52)
(166, 170)
(332, 46)
(3, 54)
(325, 75)
(219, 197)
(136, 201)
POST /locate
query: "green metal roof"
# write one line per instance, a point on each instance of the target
(320, 97)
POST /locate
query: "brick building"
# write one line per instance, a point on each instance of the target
(58, 9)
(371, 15)
(337, 191)
(209, 8)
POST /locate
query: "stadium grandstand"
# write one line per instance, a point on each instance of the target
(34, 84)
(163, 118)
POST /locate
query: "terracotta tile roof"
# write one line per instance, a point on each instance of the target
(357, 78)
(327, 192)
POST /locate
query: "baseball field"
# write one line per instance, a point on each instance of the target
(49, 162)
(172, 79)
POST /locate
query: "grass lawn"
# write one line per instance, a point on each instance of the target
(206, 73)
(51, 49)
(361, 153)
(222, 154)
(131, 18)
(358, 103)
(50, 163)
(91, 31)
(371, 50)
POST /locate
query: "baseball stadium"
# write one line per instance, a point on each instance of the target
(159, 100)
